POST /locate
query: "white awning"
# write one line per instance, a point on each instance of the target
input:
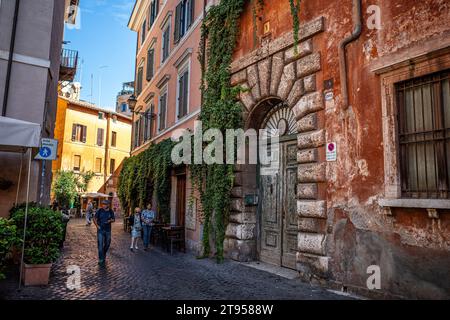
(17, 135)
(95, 195)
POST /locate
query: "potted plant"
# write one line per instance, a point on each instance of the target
(43, 236)
(8, 238)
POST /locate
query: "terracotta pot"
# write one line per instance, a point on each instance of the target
(36, 275)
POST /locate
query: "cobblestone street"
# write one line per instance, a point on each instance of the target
(155, 275)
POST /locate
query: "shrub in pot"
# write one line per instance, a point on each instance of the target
(43, 236)
(8, 238)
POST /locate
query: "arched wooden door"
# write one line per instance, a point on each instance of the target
(278, 213)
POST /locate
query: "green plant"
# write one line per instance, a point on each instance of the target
(222, 110)
(43, 234)
(146, 175)
(8, 238)
(65, 188)
(295, 10)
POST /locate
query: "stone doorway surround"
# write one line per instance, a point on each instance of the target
(276, 71)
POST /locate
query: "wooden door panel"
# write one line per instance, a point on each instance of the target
(290, 220)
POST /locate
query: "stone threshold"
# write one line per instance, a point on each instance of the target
(279, 271)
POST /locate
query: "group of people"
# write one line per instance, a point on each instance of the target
(141, 222)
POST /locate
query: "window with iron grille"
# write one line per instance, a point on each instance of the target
(424, 136)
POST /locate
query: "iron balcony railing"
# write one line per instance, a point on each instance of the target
(69, 63)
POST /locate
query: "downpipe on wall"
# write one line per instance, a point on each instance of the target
(10, 58)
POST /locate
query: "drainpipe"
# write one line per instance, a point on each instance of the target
(357, 20)
(205, 2)
(10, 58)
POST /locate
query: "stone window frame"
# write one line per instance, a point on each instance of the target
(421, 65)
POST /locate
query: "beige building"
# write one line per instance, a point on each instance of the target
(31, 64)
(92, 139)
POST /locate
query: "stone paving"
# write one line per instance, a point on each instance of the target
(155, 275)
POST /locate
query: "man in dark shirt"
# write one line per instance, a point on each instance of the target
(103, 219)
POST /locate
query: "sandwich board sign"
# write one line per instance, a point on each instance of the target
(48, 149)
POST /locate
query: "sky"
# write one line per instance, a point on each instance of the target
(106, 49)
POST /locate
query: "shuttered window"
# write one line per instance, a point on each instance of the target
(154, 10)
(112, 166)
(98, 165)
(139, 80)
(79, 133)
(183, 95)
(166, 43)
(152, 120)
(136, 133)
(114, 139)
(150, 64)
(143, 31)
(100, 136)
(184, 17)
(162, 111)
(424, 136)
(77, 163)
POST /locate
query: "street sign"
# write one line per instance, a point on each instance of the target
(48, 150)
(331, 152)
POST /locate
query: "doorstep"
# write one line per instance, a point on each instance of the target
(277, 270)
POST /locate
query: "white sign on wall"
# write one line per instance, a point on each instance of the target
(331, 151)
(48, 149)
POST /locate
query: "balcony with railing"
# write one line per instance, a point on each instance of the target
(69, 63)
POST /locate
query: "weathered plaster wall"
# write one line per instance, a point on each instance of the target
(412, 250)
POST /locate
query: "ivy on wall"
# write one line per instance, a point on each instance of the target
(222, 110)
(145, 176)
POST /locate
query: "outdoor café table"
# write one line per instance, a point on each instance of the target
(169, 231)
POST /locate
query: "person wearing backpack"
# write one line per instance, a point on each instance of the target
(136, 229)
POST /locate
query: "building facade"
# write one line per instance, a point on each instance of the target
(363, 108)
(94, 140)
(31, 64)
(123, 96)
(167, 87)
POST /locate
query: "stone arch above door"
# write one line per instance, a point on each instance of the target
(278, 71)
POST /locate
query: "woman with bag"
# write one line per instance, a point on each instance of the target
(136, 229)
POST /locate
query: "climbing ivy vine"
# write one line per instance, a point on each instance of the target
(222, 110)
(147, 175)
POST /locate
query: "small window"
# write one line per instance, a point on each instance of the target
(165, 43)
(150, 64)
(154, 10)
(124, 107)
(184, 17)
(98, 165)
(79, 133)
(100, 136)
(162, 111)
(139, 80)
(101, 115)
(143, 31)
(114, 139)
(183, 94)
(424, 136)
(77, 163)
(112, 166)
(136, 128)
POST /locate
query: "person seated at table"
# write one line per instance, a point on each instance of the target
(136, 229)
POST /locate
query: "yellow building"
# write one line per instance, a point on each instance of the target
(92, 139)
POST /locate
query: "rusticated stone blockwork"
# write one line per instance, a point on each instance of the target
(285, 73)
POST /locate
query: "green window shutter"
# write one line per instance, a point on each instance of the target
(178, 14)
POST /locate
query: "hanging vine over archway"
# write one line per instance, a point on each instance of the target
(221, 110)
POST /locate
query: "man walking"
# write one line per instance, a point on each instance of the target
(147, 218)
(102, 220)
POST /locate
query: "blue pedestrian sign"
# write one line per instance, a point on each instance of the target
(48, 150)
